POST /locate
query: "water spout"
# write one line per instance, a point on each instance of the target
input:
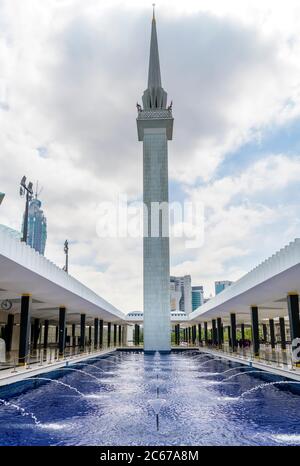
(265, 385)
(156, 405)
(92, 366)
(237, 375)
(58, 382)
(79, 370)
(22, 411)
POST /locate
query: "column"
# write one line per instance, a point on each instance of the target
(189, 335)
(136, 334)
(36, 332)
(101, 333)
(205, 333)
(46, 332)
(219, 331)
(115, 335)
(24, 328)
(265, 333)
(233, 331)
(214, 332)
(282, 333)
(243, 334)
(9, 331)
(178, 334)
(56, 334)
(82, 332)
(229, 336)
(108, 333)
(193, 334)
(199, 334)
(120, 335)
(96, 332)
(62, 331)
(73, 335)
(293, 310)
(90, 334)
(272, 333)
(255, 330)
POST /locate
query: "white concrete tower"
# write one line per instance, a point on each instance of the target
(155, 127)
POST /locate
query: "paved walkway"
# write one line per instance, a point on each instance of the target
(287, 371)
(12, 375)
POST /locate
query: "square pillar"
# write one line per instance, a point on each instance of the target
(255, 330)
(46, 332)
(101, 333)
(229, 335)
(36, 333)
(108, 333)
(136, 334)
(193, 334)
(73, 335)
(282, 333)
(233, 331)
(115, 335)
(293, 310)
(120, 335)
(96, 332)
(62, 331)
(243, 334)
(219, 331)
(265, 333)
(199, 333)
(9, 331)
(24, 349)
(272, 333)
(214, 332)
(82, 331)
(205, 333)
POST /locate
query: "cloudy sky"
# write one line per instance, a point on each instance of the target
(70, 75)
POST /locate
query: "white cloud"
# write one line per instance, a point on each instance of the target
(70, 74)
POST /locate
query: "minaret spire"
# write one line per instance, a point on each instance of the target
(154, 96)
(154, 78)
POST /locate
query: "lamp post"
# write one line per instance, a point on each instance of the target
(66, 251)
(28, 189)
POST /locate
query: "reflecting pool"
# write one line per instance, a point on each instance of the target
(113, 400)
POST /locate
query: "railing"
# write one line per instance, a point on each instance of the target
(47, 357)
(276, 357)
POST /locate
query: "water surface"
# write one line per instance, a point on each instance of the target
(112, 404)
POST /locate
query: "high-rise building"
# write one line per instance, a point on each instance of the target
(221, 285)
(1, 197)
(37, 226)
(184, 287)
(197, 296)
(155, 129)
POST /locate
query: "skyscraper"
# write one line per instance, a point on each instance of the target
(155, 128)
(183, 285)
(197, 296)
(37, 226)
(221, 285)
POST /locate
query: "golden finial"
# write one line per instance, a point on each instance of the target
(153, 5)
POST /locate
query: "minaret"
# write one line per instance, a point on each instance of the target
(155, 127)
